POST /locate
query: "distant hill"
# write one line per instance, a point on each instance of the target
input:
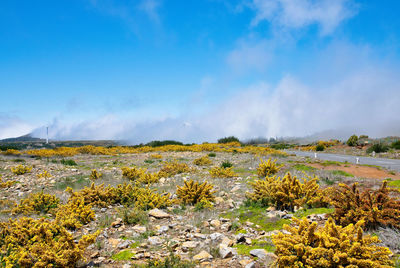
(25, 138)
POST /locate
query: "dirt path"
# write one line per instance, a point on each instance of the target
(360, 171)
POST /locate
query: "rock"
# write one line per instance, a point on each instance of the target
(245, 262)
(218, 200)
(225, 251)
(198, 235)
(240, 238)
(113, 242)
(259, 253)
(126, 265)
(159, 214)
(124, 244)
(139, 229)
(251, 265)
(117, 223)
(247, 241)
(154, 240)
(202, 256)
(271, 209)
(228, 242)
(95, 255)
(162, 229)
(189, 244)
(235, 189)
(215, 223)
(215, 236)
(287, 216)
(230, 203)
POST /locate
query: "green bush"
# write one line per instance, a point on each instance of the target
(228, 139)
(396, 145)
(377, 148)
(320, 148)
(162, 143)
(226, 164)
(352, 141)
(68, 162)
(212, 154)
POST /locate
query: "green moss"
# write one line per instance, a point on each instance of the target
(305, 213)
(302, 167)
(243, 249)
(342, 173)
(123, 255)
(395, 183)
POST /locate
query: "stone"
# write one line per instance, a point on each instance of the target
(113, 242)
(154, 240)
(215, 223)
(218, 200)
(202, 256)
(124, 244)
(162, 229)
(189, 244)
(159, 214)
(216, 236)
(259, 253)
(139, 229)
(95, 255)
(117, 223)
(251, 265)
(228, 242)
(235, 189)
(225, 251)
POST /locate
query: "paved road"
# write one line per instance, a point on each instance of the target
(392, 164)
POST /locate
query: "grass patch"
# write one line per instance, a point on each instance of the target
(68, 162)
(123, 255)
(342, 173)
(243, 249)
(395, 183)
(302, 167)
(149, 161)
(330, 163)
(258, 216)
(75, 182)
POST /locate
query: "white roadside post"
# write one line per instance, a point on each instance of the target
(357, 160)
(315, 155)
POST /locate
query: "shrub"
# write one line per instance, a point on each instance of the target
(192, 192)
(352, 141)
(20, 169)
(148, 178)
(268, 168)
(396, 145)
(37, 203)
(6, 184)
(148, 199)
(173, 168)
(319, 148)
(74, 214)
(226, 164)
(156, 156)
(378, 148)
(286, 192)
(306, 245)
(95, 175)
(202, 161)
(27, 242)
(212, 154)
(375, 207)
(68, 162)
(133, 216)
(172, 261)
(132, 173)
(45, 174)
(12, 152)
(220, 172)
(163, 143)
(228, 139)
(99, 196)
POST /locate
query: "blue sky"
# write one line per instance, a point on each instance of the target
(198, 70)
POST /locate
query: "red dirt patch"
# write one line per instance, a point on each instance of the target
(359, 171)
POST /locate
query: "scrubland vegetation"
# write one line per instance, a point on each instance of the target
(166, 204)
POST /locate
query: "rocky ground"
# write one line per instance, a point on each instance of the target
(227, 235)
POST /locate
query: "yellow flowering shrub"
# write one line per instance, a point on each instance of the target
(133, 173)
(147, 198)
(6, 184)
(95, 175)
(268, 168)
(12, 152)
(286, 192)
(221, 172)
(99, 196)
(20, 169)
(74, 214)
(202, 161)
(375, 207)
(170, 169)
(27, 242)
(306, 245)
(156, 156)
(148, 178)
(45, 174)
(37, 203)
(192, 192)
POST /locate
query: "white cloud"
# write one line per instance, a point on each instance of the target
(250, 55)
(11, 126)
(297, 14)
(150, 7)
